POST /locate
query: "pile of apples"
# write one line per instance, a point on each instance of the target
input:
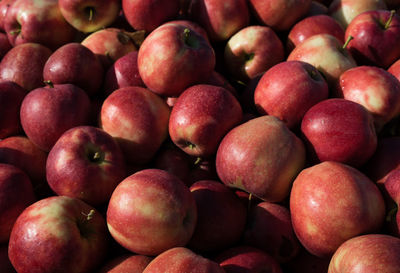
(199, 136)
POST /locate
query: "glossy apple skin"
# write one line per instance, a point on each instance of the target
(37, 22)
(288, 89)
(331, 202)
(269, 228)
(11, 96)
(354, 255)
(261, 156)
(220, 19)
(374, 88)
(138, 119)
(131, 263)
(23, 64)
(221, 217)
(151, 211)
(77, 13)
(281, 15)
(74, 169)
(247, 259)
(58, 234)
(14, 183)
(312, 25)
(339, 130)
(174, 57)
(201, 117)
(75, 64)
(148, 15)
(251, 51)
(373, 43)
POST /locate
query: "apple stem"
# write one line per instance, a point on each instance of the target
(347, 42)
(49, 83)
(249, 203)
(198, 160)
(96, 156)
(392, 12)
(90, 215)
(90, 11)
(15, 32)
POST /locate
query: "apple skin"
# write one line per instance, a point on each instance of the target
(355, 255)
(148, 15)
(220, 19)
(374, 88)
(281, 15)
(75, 64)
(394, 69)
(138, 119)
(151, 211)
(246, 259)
(77, 13)
(261, 156)
(251, 51)
(391, 192)
(312, 25)
(339, 130)
(201, 117)
(373, 43)
(11, 97)
(5, 45)
(14, 183)
(126, 263)
(58, 234)
(37, 22)
(174, 57)
(85, 163)
(221, 217)
(327, 54)
(331, 202)
(288, 89)
(180, 260)
(269, 228)
(23, 64)
(4, 5)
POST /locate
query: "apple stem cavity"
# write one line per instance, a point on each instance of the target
(90, 12)
(347, 42)
(390, 215)
(198, 160)
(387, 24)
(90, 215)
(189, 39)
(49, 83)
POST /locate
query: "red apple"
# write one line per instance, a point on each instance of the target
(47, 112)
(201, 117)
(138, 119)
(394, 69)
(251, 51)
(23, 64)
(391, 192)
(288, 90)
(332, 202)
(4, 5)
(5, 45)
(126, 263)
(58, 234)
(37, 22)
(174, 57)
(192, 25)
(75, 64)
(262, 157)
(354, 255)
(151, 211)
(89, 15)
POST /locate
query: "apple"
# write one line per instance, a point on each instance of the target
(5, 45)
(355, 254)
(262, 157)
(394, 69)
(14, 184)
(245, 259)
(181, 260)
(288, 89)
(37, 22)
(131, 263)
(201, 117)
(221, 19)
(11, 96)
(391, 192)
(269, 228)
(150, 212)
(138, 119)
(331, 202)
(221, 217)
(88, 15)
(85, 163)
(47, 112)
(251, 51)
(75, 64)
(4, 5)
(23, 64)
(281, 15)
(148, 15)
(174, 57)
(339, 130)
(375, 36)
(58, 233)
